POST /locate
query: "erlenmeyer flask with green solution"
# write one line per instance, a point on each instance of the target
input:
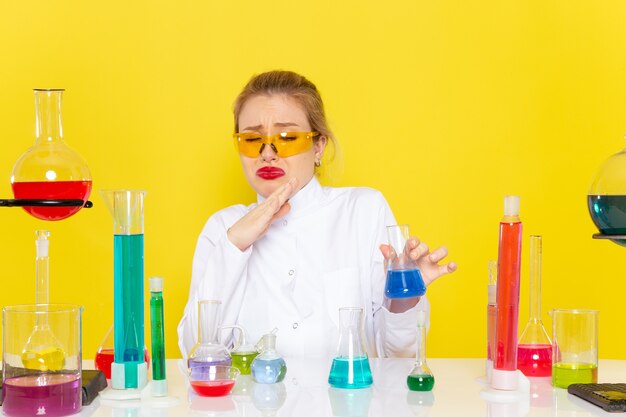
(43, 351)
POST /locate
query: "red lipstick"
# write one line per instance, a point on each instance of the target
(270, 173)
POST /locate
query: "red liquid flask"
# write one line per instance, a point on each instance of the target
(534, 352)
(105, 355)
(50, 170)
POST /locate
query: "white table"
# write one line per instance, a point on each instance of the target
(305, 392)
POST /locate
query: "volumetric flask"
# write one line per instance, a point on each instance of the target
(208, 352)
(404, 279)
(421, 378)
(30, 392)
(534, 348)
(268, 367)
(574, 347)
(50, 170)
(351, 366)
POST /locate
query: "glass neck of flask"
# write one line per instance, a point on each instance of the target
(535, 279)
(48, 127)
(420, 349)
(208, 321)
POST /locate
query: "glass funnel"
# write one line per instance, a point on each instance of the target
(351, 366)
(421, 378)
(534, 349)
(404, 279)
(208, 352)
(607, 198)
(51, 170)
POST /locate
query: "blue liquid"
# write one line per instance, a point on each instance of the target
(608, 212)
(128, 331)
(404, 283)
(346, 373)
(268, 371)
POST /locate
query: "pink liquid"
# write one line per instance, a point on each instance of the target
(104, 359)
(509, 254)
(50, 395)
(534, 360)
(213, 388)
(54, 190)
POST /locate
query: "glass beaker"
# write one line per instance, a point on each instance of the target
(404, 279)
(129, 369)
(351, 366)
(574, 347)
(27, 391)
(534, 348)
(208, 352)
(606, 200)
(50, 169)
(420, 378)
(268, 367)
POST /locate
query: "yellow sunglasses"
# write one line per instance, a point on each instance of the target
(284, 143)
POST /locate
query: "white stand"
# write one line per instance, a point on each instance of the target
(508, 402)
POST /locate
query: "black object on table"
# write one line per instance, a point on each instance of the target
(609, 397)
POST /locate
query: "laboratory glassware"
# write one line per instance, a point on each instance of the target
(491, 316)
(27, 391)
(574, 347)
(129, 369)
(350, 367)
(43, 351)
(534, 349)
(105, 354)
(208, 351)
(244, 354)
(157, 335)
(404, 279)
(421, 378)
(50, 171)
(268, 367)
(217, 381)
(606, 199)
(504, 374)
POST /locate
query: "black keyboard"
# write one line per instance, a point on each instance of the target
(610, 397)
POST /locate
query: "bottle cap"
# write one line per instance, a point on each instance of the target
(511, 205)
(156, 284)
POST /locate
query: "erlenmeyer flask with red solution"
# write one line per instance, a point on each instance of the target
(50, 175)
(105, 354)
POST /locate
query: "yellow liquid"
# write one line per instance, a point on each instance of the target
(565, 374)
(49, 359)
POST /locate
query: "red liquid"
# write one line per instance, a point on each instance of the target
(535, 360)
(507, 299)
(49, 395)
(54, 190)
(213, 388)
(104, 359)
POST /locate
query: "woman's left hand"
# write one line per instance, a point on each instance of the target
(428, 262)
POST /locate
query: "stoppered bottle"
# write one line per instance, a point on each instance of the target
(268, 367)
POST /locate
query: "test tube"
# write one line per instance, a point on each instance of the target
(504, 375)
(157, 334)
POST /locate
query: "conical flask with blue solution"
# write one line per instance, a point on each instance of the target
(351, 366)
(404, 279)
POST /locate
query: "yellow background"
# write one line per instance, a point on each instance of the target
(444, 106)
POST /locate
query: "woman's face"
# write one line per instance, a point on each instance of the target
(269, 115)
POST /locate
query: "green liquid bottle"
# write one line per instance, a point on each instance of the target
(421, 378)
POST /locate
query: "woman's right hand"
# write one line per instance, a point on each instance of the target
(255, 224)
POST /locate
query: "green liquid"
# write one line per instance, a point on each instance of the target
(243, 360)
(420, 382)
(564, 374)
(158, 336)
